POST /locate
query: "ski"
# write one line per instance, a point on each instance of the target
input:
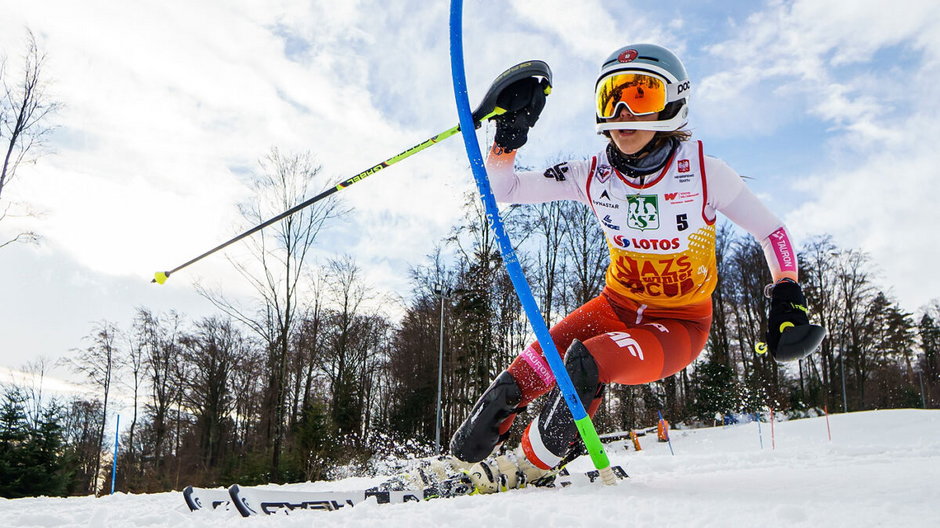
(206, 498)
(251, 501)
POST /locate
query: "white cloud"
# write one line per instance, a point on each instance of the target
(865, 72)
(592, 29)
(797, 52)
(165, 106)
(48, 385)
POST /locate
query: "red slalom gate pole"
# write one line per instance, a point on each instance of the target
(828, 430)
(773, 440)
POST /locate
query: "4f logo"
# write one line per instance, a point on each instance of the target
(557, 172)
(643, 211)
(625, 340)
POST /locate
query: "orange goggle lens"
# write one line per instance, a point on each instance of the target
(643, 94)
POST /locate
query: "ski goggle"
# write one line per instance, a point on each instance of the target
(642, 93)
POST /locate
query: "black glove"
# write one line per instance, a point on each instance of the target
(787, 308)
(523, 101)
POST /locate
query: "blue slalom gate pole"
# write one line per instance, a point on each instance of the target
(117, 428)
(759, 433)
(468, 130)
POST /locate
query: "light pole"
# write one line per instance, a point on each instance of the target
(440, 374)
(923, 396)
(845, 400)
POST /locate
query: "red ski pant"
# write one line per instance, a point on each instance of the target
(631, 343)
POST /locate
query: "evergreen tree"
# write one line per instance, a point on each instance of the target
(32, 460)
(46, 471)
(714, 391)
(14, 435)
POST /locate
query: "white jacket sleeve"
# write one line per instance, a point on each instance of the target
(564, 181)
(728, 195)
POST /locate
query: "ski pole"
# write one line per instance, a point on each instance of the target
(161, 276)
(582, 420)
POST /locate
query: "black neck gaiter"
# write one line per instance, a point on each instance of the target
(638, 165)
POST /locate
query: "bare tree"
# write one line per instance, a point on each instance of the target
(308, 341)
(99, 363)
(719, 342)
(24, 111)
(32, 387)
(344, 356)
(548, 225)
(160, 338)
(818, 274)
(213, 350)
(135, 360)
(281, 252)
(858, 295)
(586, 252)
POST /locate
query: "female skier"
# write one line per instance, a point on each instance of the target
(656, 195)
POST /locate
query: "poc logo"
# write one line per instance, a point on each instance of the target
(683, 87)
(625, 340)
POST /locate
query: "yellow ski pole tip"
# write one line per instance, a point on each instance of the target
(160, 277)
(760, 348)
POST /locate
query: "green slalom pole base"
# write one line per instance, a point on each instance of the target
(596, 449)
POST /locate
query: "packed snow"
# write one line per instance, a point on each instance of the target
(881, 468)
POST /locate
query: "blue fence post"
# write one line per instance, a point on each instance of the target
(759, 434)
(117, 428)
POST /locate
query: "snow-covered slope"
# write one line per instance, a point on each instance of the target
(882, 468)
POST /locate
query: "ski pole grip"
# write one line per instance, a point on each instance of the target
(523, 70)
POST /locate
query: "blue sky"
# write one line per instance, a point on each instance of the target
(827, 106)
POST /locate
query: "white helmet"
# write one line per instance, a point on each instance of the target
(671, 100)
